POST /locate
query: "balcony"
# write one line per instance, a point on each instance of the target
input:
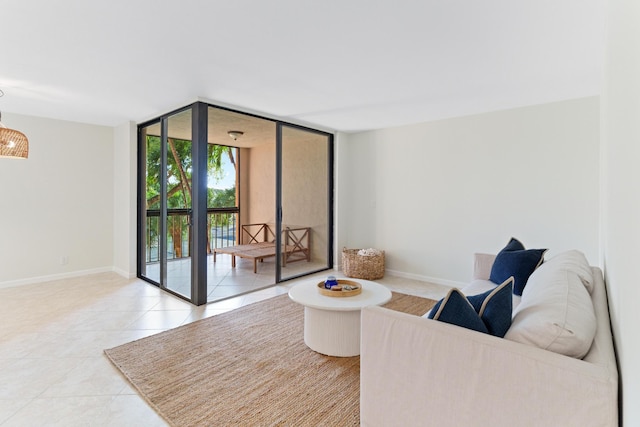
(223, 280)
(221, 232)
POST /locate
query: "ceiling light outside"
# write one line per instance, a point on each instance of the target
(235, 134)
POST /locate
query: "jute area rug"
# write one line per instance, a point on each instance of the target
(249, 366)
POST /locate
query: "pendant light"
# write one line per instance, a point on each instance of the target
(13, 143)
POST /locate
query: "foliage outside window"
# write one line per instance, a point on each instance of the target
(221, 191)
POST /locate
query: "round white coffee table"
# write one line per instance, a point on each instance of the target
(332, 324)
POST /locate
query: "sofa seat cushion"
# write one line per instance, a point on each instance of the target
(555, 312)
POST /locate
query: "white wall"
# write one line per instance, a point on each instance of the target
(58, 203)
(342, 194)
(432, 194)
(124, 199)
(621, 201)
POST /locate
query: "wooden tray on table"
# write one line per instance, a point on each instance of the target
(339, 291)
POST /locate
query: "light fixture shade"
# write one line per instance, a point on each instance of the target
(13, 143)
(235, 134)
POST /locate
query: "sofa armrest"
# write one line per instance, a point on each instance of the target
(416, 371)
(482, 264)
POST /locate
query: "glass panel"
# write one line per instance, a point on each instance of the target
(178, 181)
(305, 202)
(222, 215)
(150, 239)
(241, 194)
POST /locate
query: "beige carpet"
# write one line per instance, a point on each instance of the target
(249, 366)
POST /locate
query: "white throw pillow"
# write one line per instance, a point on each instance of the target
(556, 312)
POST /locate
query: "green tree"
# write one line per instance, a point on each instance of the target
(178, 179)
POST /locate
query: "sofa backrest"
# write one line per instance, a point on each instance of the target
(556, 311)
(601, 351)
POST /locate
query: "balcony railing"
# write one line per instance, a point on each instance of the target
(221, 232)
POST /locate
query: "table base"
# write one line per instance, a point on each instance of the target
(334, 333)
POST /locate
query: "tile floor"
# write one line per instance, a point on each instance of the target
(53, 371)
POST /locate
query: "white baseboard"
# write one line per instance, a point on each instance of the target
(51, 277)
(435, 280)
(124, 273)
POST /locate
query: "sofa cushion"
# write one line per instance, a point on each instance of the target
(514, 260)
(556, 312)
(575, 261)
(456, 309)
(492, 308)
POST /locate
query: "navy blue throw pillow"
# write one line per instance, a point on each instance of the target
(495, 307)
(455, 309)
(489, 312)
(519, 263)
(513, 245)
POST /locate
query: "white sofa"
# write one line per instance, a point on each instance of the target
(421, 372)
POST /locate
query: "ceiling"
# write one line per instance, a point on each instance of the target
(255, 131)
(346, 65)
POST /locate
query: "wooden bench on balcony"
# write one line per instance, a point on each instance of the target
(259, 243)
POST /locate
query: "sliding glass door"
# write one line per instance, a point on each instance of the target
(207, 177)
(150, 226)
(178, 197)
(304, 201)
(165, 202)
